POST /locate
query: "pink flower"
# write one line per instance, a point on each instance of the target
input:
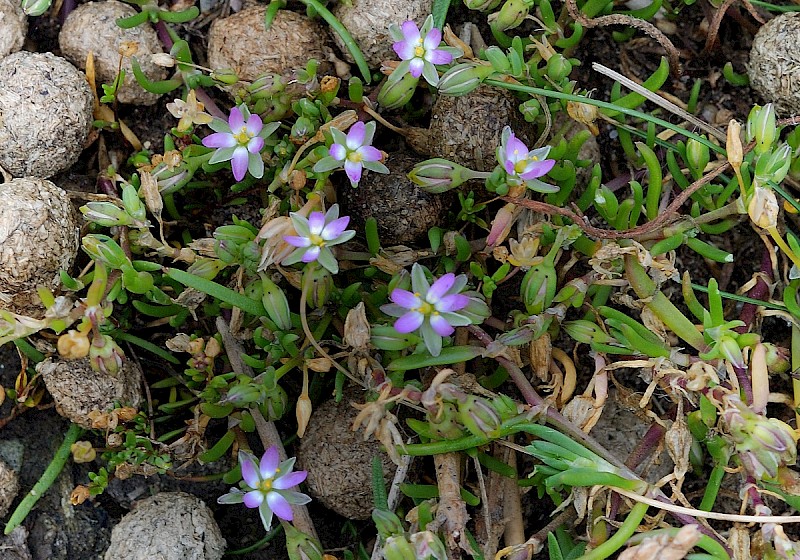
(266, 486)
(419, 49)
(239, 141)
(317, 234)
(353, 152)
(523, 166)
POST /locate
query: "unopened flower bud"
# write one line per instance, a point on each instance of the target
(303, 413)
(730, 350)
(479, 417)
(558, 67)
(319, 283)
(398, 548)
(162, 59)
(585, 331)
(106, 214)
(387, 523)
(463, 78)
(387, 338)
(300, 546)
(225, 76)
(763, 208)
(773, 166)
(539, 288)
(481, 5)
(438, 175)
(35, 7)
(512, 13)
(697, 156)
(276, 304)
(82, 452)
(275, 404)
(761, 127)
(428, 546)
(104, 355)
(396, 92)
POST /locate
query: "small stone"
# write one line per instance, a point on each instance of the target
(775, 63)
(13, 27)
(45, 114)
(240, 42)
(93, 27)
(368, 22)
(167, 526)
(339, 461)
(78, 390)
(38, 238)
(404, 212)
(9, 486)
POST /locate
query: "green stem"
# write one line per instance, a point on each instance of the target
(712, 488)
(46, 481)
(616, 542)
(344, 34)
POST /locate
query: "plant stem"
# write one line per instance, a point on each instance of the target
(46, 481)
(616, 542)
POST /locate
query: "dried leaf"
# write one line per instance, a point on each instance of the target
(664, 547)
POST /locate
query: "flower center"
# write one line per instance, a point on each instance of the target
(419, 51)
(243, 137)
(425, 308)
(355, 157)
(316, 239)
(265, 485)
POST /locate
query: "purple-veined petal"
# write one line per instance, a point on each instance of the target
(265, 513)
(236, 119)
(316, 221)
(249, 469)
(253, 499)
(297, 241)
(410, 31)
(409, 322)
(404, 298)
(439, 56)
(311, 254)
(254, 125)
(337, 152)
(453, 302)
(440, 325)
(404, 49)
(280, 506)
(353, 171)
(255, 145)
(335, 228)
(269, 462)
(355, 136)
(239, 162)
(432, 39)
(416, 66)
(440, 287)
(255, 165)
(370, 153)
(288, 480)
(219, 140)
(536, 169)
(433, 342)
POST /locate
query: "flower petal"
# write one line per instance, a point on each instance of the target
(269, 462)
(432, 39)
(419, 283)
(297, 498)
(536, 169)
(254, 125)
(253, 499)
(249, 469)
(337, 152)
(440, 287)
(410, 31)
(438, 56)
(316, 221)
(404, 298)
(370, 153)
(440, 325)
(255, 145)
(353, 171)
(409, 322)
(416, 66)
(294, 257)
(453, 302)
(335, 228)
(235, 496)
(300, 224)
(404, 50)
(239, 162)
(222, 154)
(311, 254)
(219, 140)
(327, 164)
(456, 319)
(355, 136)
(288, 480)
(297, 241)
(255, 165)
(394, 310)
(280, 506)
(236, 119)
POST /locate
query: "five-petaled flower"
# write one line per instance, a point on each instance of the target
(189, 112)
(353, 152)
(316, 235)
(419, 49)
(523, 166)
(434, 309)
(240, 141)
(266, 486)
